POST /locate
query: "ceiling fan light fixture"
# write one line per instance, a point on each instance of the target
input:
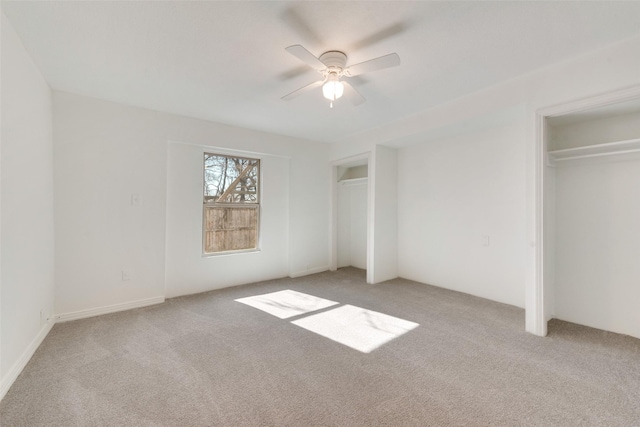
(333, 88)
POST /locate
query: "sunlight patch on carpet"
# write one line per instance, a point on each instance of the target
(285, 304)
(361, 329)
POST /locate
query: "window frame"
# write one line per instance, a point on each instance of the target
(253, 205)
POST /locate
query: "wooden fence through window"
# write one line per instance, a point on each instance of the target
(230, 228)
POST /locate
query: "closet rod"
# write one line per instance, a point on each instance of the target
(598, 150)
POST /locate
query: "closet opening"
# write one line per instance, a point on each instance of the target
(350, 214)
(590, 209)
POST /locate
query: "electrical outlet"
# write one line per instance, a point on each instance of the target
(135, 199)
(485, 240)
(126, 276)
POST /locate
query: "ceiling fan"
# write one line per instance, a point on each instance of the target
(332, 66)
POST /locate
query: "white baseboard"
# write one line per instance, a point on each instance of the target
(19, 365)
(308, 272)
(82, 314)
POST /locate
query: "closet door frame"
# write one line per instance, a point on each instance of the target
(365, 157)
(539, 286)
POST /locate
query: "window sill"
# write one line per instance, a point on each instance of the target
(227, 253)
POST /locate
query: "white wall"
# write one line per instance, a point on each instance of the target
(187, 270)
(105, 152)
(343, 224)
(309, 200)
(352, 224)
(597, 245)
(384, 233)
(27, 240)
(597, 223)
(451, 194)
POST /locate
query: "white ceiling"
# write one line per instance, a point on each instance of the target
(225, 61)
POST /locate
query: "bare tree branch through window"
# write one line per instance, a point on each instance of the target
(231, 203)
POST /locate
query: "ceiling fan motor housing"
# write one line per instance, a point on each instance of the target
(334, 60)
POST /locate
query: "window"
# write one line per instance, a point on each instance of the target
(231, 203)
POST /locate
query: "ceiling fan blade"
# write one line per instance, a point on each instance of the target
(302, 90)
(380, 35)
(305, 56)
(352, 94)
(294, 72)
(294, 19)
(390, 60)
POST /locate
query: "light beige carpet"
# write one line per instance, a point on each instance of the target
(207, 360)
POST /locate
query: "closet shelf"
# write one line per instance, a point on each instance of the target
(610, 148)
(353, 181)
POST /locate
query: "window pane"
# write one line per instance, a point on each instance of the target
(231, 203)
(230, 179)
(230, 228)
